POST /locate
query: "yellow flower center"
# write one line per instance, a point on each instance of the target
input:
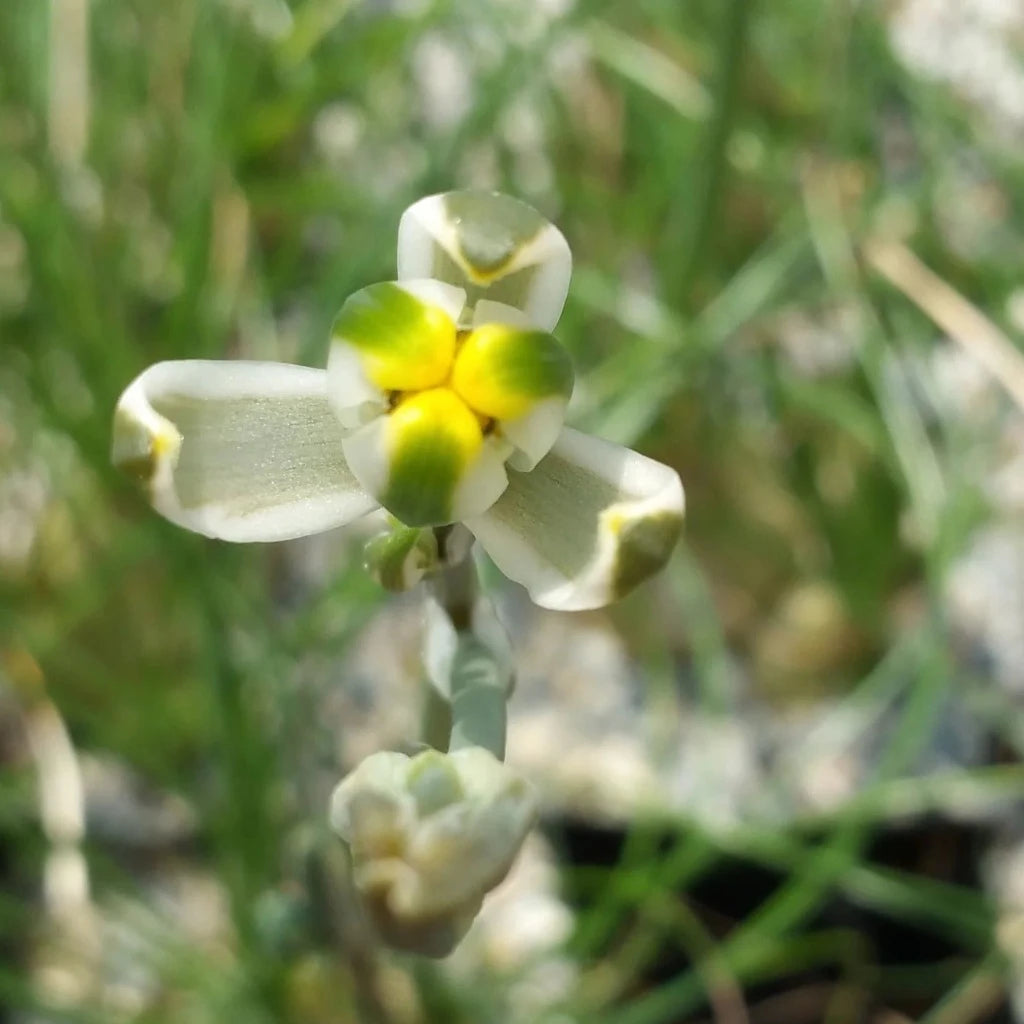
(419, 413)
(454, 385)
(459, 403)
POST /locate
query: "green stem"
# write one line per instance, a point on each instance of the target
(455, 586)
(478, 684)
(435, 719)
(731, 46)
(478, 699)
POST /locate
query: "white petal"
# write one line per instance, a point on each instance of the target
(422, 228)
(488, 312)
(436, 293)
(550, 285)
(483, 483)
(354, 398)
(243, 451)
(534, 433)
(591, 521)
(494, 246)
(366, 452)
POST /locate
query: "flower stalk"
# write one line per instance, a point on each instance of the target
(479, 677)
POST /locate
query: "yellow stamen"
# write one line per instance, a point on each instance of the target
(437, 412)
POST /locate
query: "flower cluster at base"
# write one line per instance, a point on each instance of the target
(443, 401)
(429, 836)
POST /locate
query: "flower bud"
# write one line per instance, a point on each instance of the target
(429, 837)
(400, 557)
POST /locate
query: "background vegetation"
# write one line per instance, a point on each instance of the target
(826, 685)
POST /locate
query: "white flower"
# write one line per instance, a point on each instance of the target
(442, 401)
(429, 837)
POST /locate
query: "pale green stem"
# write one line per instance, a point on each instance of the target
(435, 718)
(478, 699)
(477, 713)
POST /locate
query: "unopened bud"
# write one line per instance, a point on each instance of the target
(429, 837)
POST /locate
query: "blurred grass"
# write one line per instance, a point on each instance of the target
(716, 166)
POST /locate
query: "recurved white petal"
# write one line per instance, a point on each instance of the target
(533, 433)
(243, 451)
(589, 523)
(497, 248)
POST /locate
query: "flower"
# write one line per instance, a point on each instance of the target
(443, 401)
(429, 837)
